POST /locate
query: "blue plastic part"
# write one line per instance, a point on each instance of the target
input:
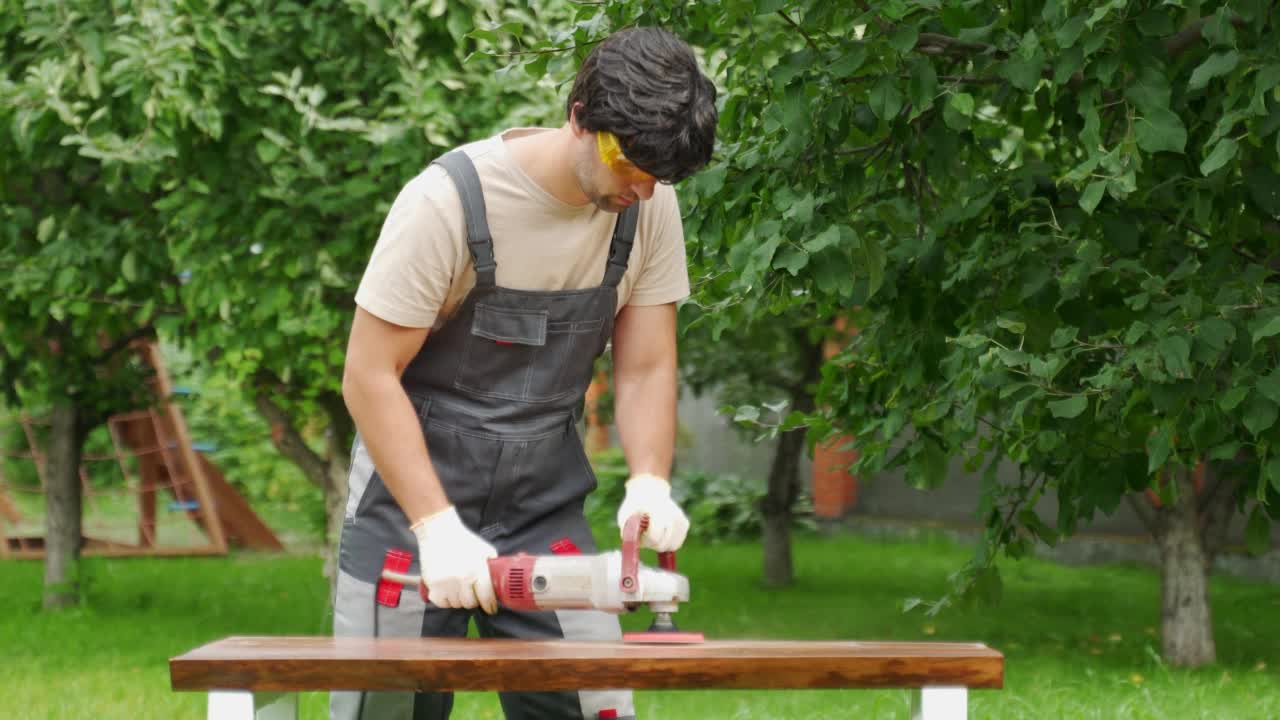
(184, 505)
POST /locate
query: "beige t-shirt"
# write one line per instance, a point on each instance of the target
(421, 268)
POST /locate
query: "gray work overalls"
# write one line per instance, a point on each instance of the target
(498, 390)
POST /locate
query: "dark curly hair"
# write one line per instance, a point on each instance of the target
(644, 85)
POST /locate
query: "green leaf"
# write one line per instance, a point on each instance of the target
(1260, 415)
(1012, 326)
(1063, 336)
(1216, 333)
(923, 86)
(928, 468)
(792, 259)
(1257, 534)
(1269, 386)
(1159, 446)
(1222, 153)
(970, 341)
(849, 61)
(1231, 398)
(1069, 408)
(872, 260)
(958, 110)
(1155, 23)
(1267, 329)
(1225, 451)
(129, 267)
(44, 230)
(1176, 353)
(746, 414)
(1217, 64)
(903, 38)
(1070, 31)
(1092, 195)
(825, 239)
(1264, 188)
(886, 98)
(1161, 130)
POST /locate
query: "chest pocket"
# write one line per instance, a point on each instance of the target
(519, 354)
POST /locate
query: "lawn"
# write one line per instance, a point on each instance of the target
(1079, 642)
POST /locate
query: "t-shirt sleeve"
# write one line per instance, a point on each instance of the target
(664, 275)
(413, 263)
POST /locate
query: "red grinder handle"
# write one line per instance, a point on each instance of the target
(631, 532)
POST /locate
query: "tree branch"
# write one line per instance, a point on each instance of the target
(283, 434)
(803, 34)
(1148, 515)
(937, 44)
(125, 341)
(1187, 36)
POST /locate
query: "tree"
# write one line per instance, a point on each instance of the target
(768, 381)
(79, 247)
(1053, 225)
(232, 168)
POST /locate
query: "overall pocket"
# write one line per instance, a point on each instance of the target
(518, 354)
(503, 347)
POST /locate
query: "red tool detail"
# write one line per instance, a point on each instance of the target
(607, 713)
(512, 577)
(389, 590)
(565, 546)
(631, 532)
(503, 342)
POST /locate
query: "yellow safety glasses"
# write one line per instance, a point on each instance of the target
(612, 157)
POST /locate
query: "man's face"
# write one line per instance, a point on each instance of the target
(607, 178)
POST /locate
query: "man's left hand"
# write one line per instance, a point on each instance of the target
(650, 495)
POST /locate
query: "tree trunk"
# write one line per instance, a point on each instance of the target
(62, 503)
(776, 509)
(328, 472)
(784, 475)
(1186, 620)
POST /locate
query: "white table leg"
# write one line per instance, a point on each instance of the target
(940, 703)
(244, 705)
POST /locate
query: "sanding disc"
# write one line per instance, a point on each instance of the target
(664, 638)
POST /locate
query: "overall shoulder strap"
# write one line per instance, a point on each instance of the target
(624, 235)
(463, 173)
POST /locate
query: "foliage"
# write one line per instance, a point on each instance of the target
(727, 508)
(1052, 224)
(721, 508)
(220, 173)
(601, 508)
(220, 416)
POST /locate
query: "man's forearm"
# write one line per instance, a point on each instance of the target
(391, 431)
(645, 412)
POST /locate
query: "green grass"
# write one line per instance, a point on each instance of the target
(1079, 642)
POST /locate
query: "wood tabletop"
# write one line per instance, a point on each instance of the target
(285, 664)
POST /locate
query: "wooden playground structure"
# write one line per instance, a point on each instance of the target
(155, 455)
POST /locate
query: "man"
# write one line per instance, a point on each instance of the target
(501, 273)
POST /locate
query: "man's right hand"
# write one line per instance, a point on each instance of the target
(454, 562)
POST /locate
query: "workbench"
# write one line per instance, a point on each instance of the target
(258, 678)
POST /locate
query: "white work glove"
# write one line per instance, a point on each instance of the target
(454, 562)
(651, 495)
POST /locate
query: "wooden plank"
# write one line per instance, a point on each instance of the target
(240, 524)
(286, 664)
